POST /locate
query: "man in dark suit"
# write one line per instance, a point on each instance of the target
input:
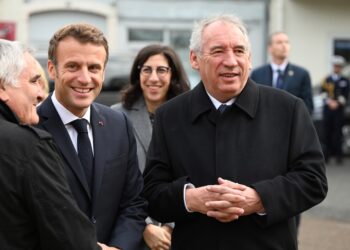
(108, 184)
(280, 73)
(232, 177)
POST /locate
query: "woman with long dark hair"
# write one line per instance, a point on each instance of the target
(156, 76)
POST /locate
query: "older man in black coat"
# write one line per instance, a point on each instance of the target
(232, 178)
(37, 209)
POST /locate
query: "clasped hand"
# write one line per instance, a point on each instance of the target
(157, 237)
(332, 104)
(226, 201)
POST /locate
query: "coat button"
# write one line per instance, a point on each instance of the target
(93, 219)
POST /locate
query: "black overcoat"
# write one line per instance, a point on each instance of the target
(37, 209)
(265, 140)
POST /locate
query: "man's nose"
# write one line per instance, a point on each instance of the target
(84, 76)
(41, 93)
(230, 59)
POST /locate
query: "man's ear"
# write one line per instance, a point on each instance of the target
(51, 70)
(194, 60)
(3, 93)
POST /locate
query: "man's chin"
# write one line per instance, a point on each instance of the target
(84, 103)
(232, 89)
(33, 120)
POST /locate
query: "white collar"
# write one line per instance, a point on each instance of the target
(65, 115)
(281, 67)
(217, 104)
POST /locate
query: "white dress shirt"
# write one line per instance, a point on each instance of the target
(67, 117)
(275, 69)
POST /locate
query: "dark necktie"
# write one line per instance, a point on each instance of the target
(84, 148)
(279, 82)
(222, 108)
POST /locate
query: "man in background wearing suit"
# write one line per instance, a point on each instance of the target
(100, 156)
(280, 73)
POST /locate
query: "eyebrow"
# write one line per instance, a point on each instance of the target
(223, 47)
(145, 65)
(96, 65)
(35, 78)
(216, 47)
(241, 47)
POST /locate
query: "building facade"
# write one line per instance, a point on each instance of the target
(130, 24)
(317, 28)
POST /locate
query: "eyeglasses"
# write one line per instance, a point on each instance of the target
(160, 70)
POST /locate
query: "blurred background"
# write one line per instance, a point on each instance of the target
(317, 29)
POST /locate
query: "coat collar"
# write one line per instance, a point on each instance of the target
(100, 131)
(7, 113)
(140, 118)
(247, 100)
(140, 104)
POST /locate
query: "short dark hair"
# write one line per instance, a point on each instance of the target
(272, 35)
(179, 82)
(82, 32)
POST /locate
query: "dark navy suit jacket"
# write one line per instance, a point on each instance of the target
(296, 81)
(114, 205)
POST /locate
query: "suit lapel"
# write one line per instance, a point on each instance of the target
(100, 133)
(53, 124)
(288, 76)
(141, 122)
(269, 75)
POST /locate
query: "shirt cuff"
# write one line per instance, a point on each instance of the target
(187, 186)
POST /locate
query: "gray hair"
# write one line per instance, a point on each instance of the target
(12, 62)
(197, 32)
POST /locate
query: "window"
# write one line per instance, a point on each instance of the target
(145, 35)
(342, 47)
(180, 38)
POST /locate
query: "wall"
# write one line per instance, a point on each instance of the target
(312, 25)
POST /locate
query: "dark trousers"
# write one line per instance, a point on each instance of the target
(332, 129)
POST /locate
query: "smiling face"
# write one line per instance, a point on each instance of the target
(78, 75)
(224, 61)
(155, 85)
(22, 99)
